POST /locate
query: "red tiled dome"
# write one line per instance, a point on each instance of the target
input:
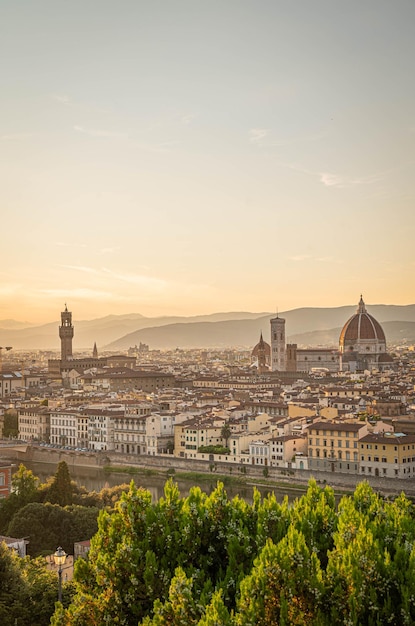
(261, 345)
(361, 327)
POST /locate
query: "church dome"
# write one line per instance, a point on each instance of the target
(261, 346)
(361, 327)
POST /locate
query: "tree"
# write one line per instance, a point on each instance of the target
(24, 484)
(225, 433)
(180, 609)
(11, 596)
(10, 428)
(42, 589)
(50, 525)
(61, 489)
(285, 586)
(206, 560)
(24, 491)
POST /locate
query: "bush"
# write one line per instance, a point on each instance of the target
(214, 450)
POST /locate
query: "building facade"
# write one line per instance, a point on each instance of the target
(334, 446)
(390, 455)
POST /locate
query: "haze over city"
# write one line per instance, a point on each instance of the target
(182, 158)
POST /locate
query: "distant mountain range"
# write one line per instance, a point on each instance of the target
(304, 326)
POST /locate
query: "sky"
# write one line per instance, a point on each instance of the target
(185, 157)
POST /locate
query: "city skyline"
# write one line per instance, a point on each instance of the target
(187, 158)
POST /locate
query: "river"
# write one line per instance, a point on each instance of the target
(95, 479)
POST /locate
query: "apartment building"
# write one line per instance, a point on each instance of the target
(284, 449)
(191, 434)
(387, 454)
(34, 423)
(10, 382)
(273, 409)
(101, 427)
(334, 446)
(64, 427)
(130, 433)
(277, 451)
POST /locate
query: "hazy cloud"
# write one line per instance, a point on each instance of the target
(61, 98)
(256, 135)
(137, 279)
(64, 244)
(331, 180)
(334, 180)
(187, 119)
(95, 132)
(13, 136)
(80, 293)
(81, 268)
(109, 250)
(142, 280)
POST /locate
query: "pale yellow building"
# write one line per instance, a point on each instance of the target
(387, 454)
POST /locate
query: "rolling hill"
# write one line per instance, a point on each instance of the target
(304, 326)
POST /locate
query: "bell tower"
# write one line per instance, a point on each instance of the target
(278, 358)
(66, 331)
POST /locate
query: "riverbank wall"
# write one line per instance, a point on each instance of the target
(169, 464)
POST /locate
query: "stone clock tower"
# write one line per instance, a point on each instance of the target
(66, 334)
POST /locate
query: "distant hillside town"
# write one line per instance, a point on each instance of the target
(349, 410)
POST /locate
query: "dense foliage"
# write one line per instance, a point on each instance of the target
(213, 449)
(58, 512)
(207, 560)
(28, 591)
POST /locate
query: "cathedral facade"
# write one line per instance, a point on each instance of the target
(362, 346)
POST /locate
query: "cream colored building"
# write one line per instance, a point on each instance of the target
(283, 450)
(334, 446)
(34, 423)
(387, 454)
(64, 427)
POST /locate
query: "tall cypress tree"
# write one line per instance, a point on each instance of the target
(61, 490)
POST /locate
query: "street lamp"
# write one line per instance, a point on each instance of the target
(60, 557)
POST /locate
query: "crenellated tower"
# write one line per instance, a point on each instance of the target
(66, 332)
